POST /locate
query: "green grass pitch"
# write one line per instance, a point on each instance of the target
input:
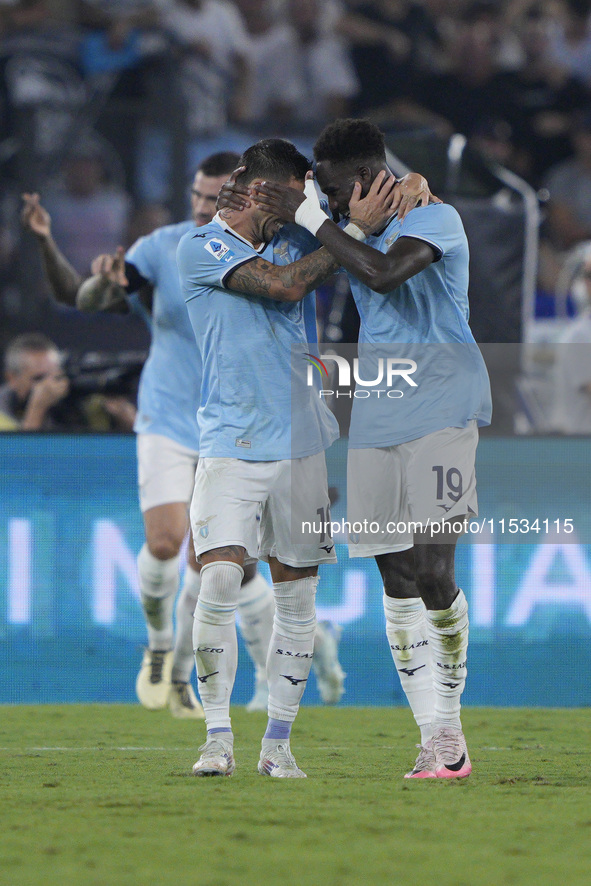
(102, 795)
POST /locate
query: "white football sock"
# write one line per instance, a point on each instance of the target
(406, 629)
(256, 608)
(448, 641)
(159, 582)
(214, 639)
(184, 658)
(292, 646)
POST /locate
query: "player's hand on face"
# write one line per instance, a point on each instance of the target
(279, 199)
(413, 190)
(35, 217)
(50, 390)
(111, 266)
(370, 213)
(233, 195)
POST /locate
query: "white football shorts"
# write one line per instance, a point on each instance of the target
(394, 491)
(270, 508)
(166, 471)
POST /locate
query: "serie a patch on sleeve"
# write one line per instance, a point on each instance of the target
(220, 250)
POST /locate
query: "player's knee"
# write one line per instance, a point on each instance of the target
(397, 585)
(164, 545)
(436, 584)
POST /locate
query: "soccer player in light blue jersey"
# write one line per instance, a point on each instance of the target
(168, 450)
(263, 436)
(167, 443)
(411, 459)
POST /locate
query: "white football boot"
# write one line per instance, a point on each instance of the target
(183, 703)
(278, 761)
(217, 758)
(152, 685)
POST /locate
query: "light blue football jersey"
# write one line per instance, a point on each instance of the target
(425, 321)
(170, 383)
(256, 404)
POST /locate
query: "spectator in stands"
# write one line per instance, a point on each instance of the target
(89, 211)
(473, 89)
(41, 88)
(572, 371)
(494, 140)
(568, 219)
(146, 219)
(390, 41)
(318, 64)
(35, 384)
(121, 52)
(213, 78)
(570, 45)
(98, 412)
(544, 94)
(117, 25)
(273, 96)
(301, 72)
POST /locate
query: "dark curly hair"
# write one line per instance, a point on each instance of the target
(275, 159)
(348, 140)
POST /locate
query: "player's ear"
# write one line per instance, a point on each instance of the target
(363, 174)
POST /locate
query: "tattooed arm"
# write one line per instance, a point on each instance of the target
(288, 283)
(63, 278)
(106, 289)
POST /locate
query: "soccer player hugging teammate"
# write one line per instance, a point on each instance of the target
(412, 463)
(250, 304)
(168, 451)
(167, 444)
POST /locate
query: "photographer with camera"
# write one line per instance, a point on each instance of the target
(101, 403)
(35, 384)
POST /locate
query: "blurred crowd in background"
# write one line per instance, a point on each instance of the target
(108, 106)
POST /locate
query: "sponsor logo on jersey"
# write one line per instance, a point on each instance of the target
(244, 444)
(219, 250)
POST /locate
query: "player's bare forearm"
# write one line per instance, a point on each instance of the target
(100, 294)
(381, 272)
(288, 283)
(63, 278)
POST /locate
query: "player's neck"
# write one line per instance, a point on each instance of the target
(242, 224)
